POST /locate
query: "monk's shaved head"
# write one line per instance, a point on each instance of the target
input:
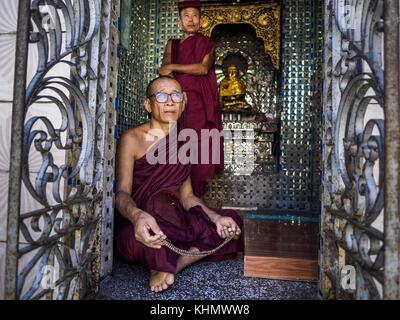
(150, 86)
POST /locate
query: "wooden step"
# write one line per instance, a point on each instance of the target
(281, 245)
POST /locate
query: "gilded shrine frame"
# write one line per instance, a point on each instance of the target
(265, 18)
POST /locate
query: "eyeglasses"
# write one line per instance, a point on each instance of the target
(162, 97)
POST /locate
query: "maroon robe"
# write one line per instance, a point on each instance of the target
(156, 191)
(203, 110)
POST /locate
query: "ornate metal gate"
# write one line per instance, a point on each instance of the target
(359, 229)
(60, 249)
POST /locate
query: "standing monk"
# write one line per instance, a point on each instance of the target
(157, 200)
(190, 60)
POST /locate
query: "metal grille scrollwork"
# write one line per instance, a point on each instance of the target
(352, 224)
(57, 249)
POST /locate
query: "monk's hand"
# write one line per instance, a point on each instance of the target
(227, 227)
(147, 231)
(165, 70)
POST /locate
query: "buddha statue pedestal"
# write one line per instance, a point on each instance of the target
(238, 115)
(236, 104)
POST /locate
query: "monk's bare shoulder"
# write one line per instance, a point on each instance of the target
(132, 140)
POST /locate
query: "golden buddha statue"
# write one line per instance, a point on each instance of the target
(233, 91)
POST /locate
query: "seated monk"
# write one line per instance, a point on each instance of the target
(157, 200)
(233, 86)
(233, 91)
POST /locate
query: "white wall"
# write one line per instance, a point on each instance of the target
(8, 27)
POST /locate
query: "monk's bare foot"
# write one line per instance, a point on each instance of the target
(160, 281)
(184, 261)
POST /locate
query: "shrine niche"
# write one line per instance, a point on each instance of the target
(238, 46)
(247, 42)
(265, 18)
(248, 88)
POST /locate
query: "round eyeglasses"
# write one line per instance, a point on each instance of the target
(162, 97)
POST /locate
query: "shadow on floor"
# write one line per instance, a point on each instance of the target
(203, 281)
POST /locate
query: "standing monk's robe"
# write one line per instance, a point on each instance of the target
(203, 109)
(156, 191)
